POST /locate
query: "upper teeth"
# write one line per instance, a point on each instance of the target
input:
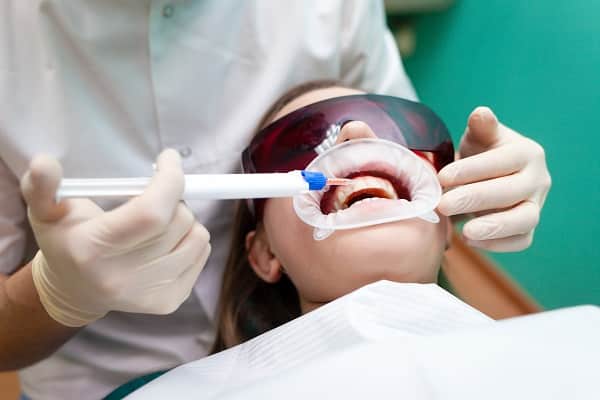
(362, 183)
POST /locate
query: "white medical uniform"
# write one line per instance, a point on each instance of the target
(105, 85)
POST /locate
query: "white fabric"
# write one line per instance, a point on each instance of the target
(104, 85)
(372, 313)
(425, 345)
(549, 356)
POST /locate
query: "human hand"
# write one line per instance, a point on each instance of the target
(501, 177)
(142, 257)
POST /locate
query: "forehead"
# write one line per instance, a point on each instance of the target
(312, 97)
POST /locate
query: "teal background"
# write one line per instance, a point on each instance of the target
(537, 65)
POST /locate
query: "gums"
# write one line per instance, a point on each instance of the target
(401, 188)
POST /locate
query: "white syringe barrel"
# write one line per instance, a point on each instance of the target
(244, 186)
(210, 187)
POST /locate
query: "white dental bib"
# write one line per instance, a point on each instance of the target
(401, 341)
(392, 159)
(375, 312)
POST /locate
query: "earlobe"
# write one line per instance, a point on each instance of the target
(264, 263)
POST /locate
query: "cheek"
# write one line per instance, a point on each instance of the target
(290, 239)
(307, 262)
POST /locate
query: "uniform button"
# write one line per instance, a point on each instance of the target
(185, 152)
(167, 11)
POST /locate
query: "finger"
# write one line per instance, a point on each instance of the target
(175, 275)
(179, 290)
(512, 243)
(160, 245)
(518, 220)
(482, 132)
(39, 186)
(494, 163)
(500, 192)
(189, 277)
(169, 267)
(166, 188)
(150, 213)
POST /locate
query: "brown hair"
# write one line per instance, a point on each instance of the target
(248, 306)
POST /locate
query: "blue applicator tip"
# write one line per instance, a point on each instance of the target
(316, 180)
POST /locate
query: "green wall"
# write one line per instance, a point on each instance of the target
(537, 64)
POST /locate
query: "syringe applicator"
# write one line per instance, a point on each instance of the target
(211, 186)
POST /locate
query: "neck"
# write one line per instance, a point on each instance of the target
(307, 306)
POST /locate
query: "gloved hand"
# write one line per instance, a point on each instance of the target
(502, 177)
(141, 257)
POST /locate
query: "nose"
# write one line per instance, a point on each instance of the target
(355, 130)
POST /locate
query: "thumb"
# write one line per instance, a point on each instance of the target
(39, 186)
(482, 132)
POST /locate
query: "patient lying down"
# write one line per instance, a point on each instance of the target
(289, 300)
(277, 271)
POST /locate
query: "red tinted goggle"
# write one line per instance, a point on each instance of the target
(293, 141)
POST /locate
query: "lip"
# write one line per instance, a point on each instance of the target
(373, 169)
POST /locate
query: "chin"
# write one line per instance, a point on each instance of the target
(403, 270)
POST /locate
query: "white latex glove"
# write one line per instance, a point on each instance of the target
(142, 257)
(502, 177)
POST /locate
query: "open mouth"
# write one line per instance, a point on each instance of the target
(366, 184)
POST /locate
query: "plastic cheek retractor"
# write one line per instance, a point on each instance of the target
(390, 183)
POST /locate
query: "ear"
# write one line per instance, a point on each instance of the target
(264, 263)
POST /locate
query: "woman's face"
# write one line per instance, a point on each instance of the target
(403, 251)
